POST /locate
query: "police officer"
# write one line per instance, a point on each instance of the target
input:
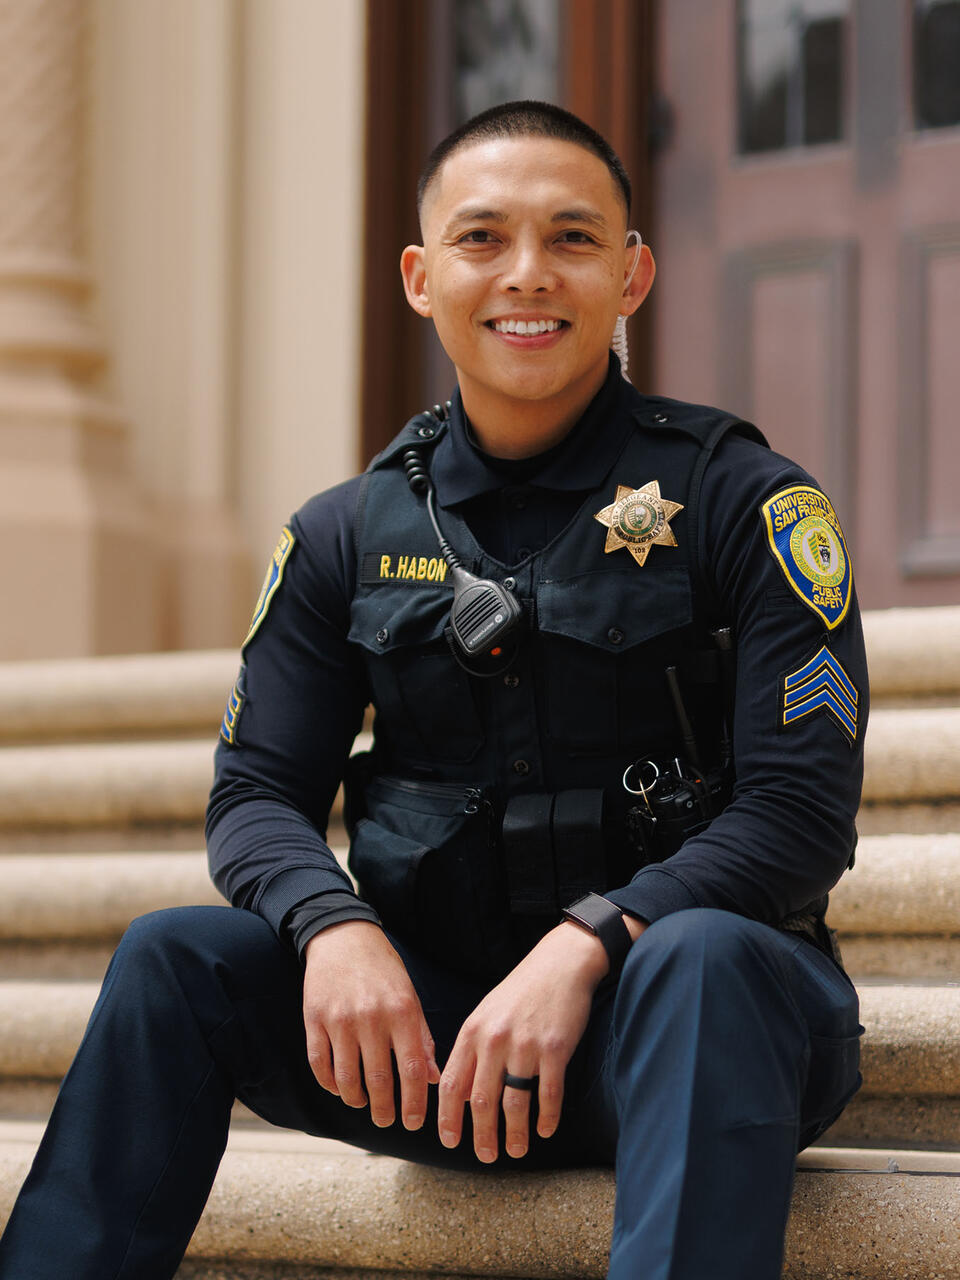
(615, 656)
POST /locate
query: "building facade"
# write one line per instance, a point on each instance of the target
(202, 207)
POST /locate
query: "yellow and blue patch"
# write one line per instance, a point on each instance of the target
(806, 540)
(821, 686)
(271, 582)
(231, 717)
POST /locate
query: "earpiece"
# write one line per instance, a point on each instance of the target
(619, 340)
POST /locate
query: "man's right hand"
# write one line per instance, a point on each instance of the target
(359, 1005)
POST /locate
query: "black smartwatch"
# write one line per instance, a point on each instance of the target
(605, 921)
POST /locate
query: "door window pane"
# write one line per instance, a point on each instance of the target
(936, 63)
(506, 49)
(791, 69)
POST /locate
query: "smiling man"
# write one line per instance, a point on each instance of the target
(616, 662)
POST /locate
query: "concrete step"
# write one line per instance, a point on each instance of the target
(911, 1051)
(114, 784)
(935, 818)
(913, 653)
(145, 694)
(51, 897)
(897, 911)
(911, 756)
(283, 1202)
(104, 784)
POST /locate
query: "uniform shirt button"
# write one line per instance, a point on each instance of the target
(383, 635)
(660, 417)
(511, 681)
(521, 767)
(518, 501)
(510, 584)
(615, 635)
(523, 553)
(426, 432)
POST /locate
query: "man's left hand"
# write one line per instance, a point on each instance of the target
(529, 1025)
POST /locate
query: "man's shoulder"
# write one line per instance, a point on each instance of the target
(742, 469)
(705, 422)
(331, 509)
(739, 463)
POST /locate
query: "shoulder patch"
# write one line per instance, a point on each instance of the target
(805, 539)
(271, 582)
(821, 686)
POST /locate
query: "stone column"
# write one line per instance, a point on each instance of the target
(75, 572)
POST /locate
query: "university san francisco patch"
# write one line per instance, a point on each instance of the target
(271, 582)
(821, 685)
(805, 538)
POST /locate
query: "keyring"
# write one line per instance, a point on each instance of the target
(642, 790)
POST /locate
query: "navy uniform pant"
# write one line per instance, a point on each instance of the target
(724, 1048)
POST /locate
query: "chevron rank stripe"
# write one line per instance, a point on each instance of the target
(228, 727)
(821, 685)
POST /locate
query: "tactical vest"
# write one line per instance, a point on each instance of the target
(488, 804)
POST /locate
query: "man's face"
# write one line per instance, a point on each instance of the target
(523, 270)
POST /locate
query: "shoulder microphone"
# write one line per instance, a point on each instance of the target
(484, 614)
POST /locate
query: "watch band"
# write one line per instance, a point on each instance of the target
(602, 918)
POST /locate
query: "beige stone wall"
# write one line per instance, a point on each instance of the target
(73, 540)
(300, 298)
(180, 268)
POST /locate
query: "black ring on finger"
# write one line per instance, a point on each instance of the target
(519, 1082)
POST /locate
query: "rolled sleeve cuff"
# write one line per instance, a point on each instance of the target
(319, 913)
(288, 888)
(652, 893)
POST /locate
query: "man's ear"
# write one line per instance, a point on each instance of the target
(414, 272)
(641, 284)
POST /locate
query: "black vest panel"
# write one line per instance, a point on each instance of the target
(461, 760)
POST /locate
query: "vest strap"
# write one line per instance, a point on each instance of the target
(527, 848)
(701, 588)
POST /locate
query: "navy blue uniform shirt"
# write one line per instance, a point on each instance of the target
(783, 841)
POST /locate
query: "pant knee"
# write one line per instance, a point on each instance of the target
(702, 930)
(170, 932)
(710, 993)
(699, 951)
(196, 944)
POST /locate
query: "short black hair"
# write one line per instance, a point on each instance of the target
(524, 120)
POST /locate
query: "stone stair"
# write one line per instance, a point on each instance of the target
(104, 770)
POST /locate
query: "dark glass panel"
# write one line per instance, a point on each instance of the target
(764, 63)
(791, 66)
(505, 49)
(936, 63)
(823, 61)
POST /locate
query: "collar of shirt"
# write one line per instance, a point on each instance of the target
(461, 470)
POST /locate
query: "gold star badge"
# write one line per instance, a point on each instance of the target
(637, 519)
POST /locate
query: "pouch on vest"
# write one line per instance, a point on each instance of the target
(424, 855)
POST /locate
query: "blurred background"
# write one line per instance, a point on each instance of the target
(202, 208)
